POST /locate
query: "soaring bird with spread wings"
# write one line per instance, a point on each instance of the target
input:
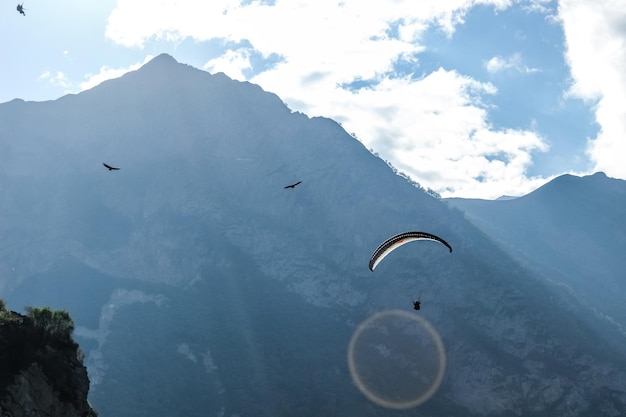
(110, 168)
(292, 185)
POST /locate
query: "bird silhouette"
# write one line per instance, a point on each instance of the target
(110, 168)
(292, 185)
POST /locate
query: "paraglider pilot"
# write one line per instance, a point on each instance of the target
(20, 8)
(416, 304)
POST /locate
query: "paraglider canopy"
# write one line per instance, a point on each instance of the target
(398, 240)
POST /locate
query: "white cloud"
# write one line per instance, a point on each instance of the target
(433, 128)
(107, 73)
(514, 62)
(496, 64)
(58, 79)
(232, 63)
(595, 34)
(541, 6)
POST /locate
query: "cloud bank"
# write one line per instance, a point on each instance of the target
(595, 34)
(359, 63)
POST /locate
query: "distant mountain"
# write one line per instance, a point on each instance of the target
(506, 197)
(571, 232)
(201, 286)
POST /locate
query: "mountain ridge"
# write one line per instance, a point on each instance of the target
(582, 219)
(197, 224)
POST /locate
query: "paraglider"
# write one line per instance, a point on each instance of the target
(398, 240)
(20, 8)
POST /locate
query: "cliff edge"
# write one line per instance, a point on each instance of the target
(41, 368)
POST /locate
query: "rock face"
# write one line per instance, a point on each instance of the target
(41, 375)
(201, 287)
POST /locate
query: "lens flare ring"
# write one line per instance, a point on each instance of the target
(397, 324)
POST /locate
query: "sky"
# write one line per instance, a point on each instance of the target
(469, 98)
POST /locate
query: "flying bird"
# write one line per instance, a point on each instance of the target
(110, 168)
(292, 185)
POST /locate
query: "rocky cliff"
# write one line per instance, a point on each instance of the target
(41, 374)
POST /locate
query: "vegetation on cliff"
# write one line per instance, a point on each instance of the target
(42, 369)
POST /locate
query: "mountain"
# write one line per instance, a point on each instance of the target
(572, 233)
(42, 373)
(201, 286)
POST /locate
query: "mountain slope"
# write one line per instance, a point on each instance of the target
(225, 293)
(573, 233)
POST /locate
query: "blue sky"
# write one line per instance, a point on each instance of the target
(521, 54)
(469, 98)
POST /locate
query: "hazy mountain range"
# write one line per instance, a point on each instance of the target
(201, 286)
(571, 232)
